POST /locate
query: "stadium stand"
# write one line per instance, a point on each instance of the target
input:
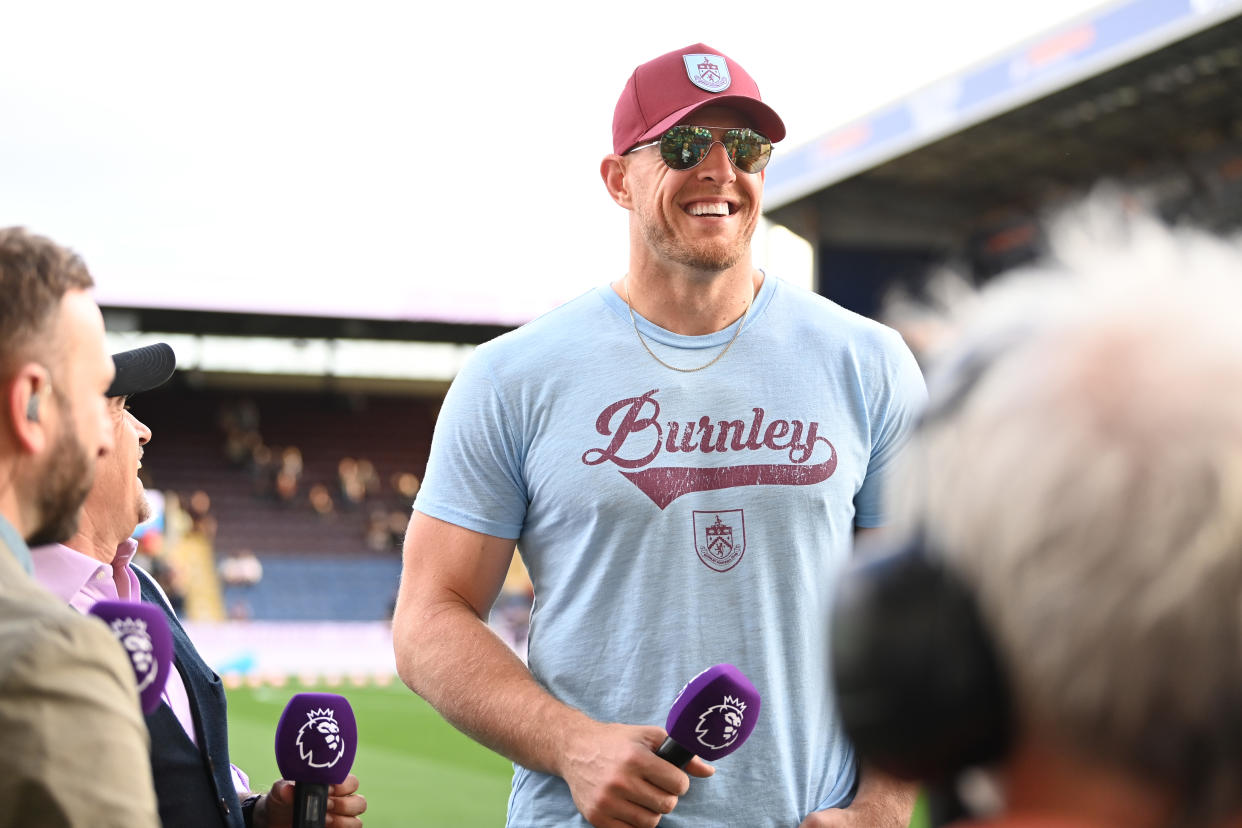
(1143, 93)
(234, 504)
(314, 589)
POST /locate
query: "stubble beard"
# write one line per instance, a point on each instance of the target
(712, 256)
(64, 487)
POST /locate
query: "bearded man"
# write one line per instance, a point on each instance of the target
(68, 702)
(685, 454)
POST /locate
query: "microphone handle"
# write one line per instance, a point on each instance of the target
(310, 804)
(673, 752)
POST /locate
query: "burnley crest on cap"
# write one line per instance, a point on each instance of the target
(708, 72)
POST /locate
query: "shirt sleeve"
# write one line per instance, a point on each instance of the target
(900, 397)
(241, 782)
(474, 473)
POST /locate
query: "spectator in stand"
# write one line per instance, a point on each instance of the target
(398, 522)
(169, 579)
(241, 567)
(406, 485)
(291, 462)
(262, 471)
(239, 445)
(352, 488)
(202, 520)
(321, 501)
(286, 487)
(378, 535)
(369, 478)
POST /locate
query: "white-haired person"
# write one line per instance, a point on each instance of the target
(1079, 472)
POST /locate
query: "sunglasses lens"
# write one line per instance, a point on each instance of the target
(682, 147)
(748, 149)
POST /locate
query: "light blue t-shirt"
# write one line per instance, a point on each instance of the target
(672, 521)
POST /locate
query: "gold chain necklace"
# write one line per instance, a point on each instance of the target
(714, 359)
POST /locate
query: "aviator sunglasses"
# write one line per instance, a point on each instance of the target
(685, 147)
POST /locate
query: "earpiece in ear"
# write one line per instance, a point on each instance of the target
(32, 408)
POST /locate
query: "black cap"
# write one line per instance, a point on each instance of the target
(142, 369)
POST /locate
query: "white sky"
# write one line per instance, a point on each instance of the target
(401, 160)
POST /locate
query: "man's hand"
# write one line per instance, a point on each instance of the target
(275, 808)
(616, 779)
(881, 802)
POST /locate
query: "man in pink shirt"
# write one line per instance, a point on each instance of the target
(195, 783)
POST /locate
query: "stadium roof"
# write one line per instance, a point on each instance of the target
(1142, 90)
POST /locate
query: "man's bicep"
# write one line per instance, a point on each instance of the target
(444, 562)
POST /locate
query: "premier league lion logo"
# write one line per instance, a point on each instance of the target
(720, 724)
(132, 633)
(319, 740)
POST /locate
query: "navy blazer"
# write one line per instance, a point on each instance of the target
(193, 784)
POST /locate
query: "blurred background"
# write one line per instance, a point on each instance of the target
(323, 209)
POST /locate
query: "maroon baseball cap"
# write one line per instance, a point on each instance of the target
(663, 91)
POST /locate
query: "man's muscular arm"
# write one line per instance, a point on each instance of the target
(448, 655)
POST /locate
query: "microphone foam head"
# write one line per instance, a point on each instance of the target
(142, 631)
(714, 713)
(316, 739)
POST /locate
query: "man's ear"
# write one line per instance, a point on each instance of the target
(613, 170)
(23, 397)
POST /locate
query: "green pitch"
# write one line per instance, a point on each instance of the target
(416, 770)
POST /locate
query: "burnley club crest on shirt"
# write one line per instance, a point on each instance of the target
(720, 538)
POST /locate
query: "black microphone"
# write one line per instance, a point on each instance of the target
(711, 716)
(316, 741)
(142, 630)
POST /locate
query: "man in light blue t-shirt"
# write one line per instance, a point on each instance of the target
(684, 456)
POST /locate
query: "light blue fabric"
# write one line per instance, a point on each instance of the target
(16, 545)
(672, 521)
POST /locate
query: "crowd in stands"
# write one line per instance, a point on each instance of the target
(277, 474)
(281, 488)
(255, 478)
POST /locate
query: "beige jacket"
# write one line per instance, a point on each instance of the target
(73, 743)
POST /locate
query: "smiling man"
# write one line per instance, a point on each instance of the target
(685, 454)
(195, 784)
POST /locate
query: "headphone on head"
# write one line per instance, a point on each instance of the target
(919, 685)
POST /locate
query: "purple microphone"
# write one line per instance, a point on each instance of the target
(142, 631)
(315, 745)
(711, 716)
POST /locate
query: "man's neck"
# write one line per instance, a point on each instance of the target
(12, 508)
(688, 301)
(1047, 780)
(94, 540)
